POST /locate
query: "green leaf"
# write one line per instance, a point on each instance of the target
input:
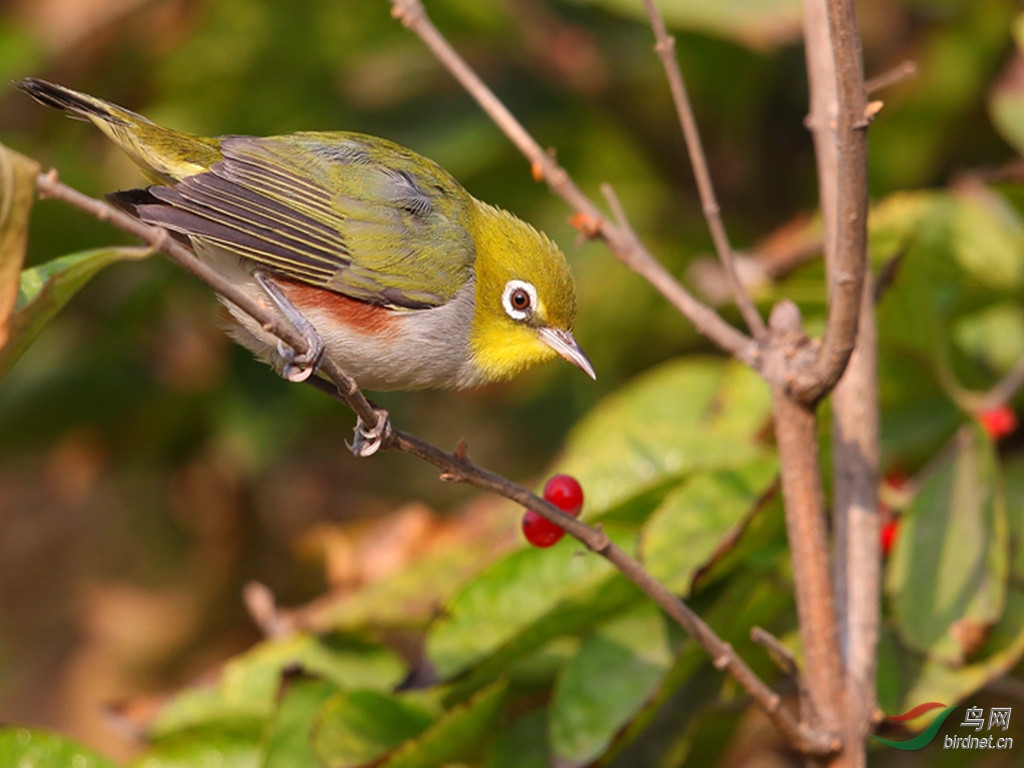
(617, 669)
(525, 588)
(1006, 102)
(409, 597)
(988, 240)
(907, 679)
(994, 335)
(25, 748)
(45, 289)
(708, 734)
(355, 729)
(288, 743)
(568, 617)
(913, 310)
(949, 568)
(760, 542)
(17, 194)
(1013, 473)
(683, 416)
(731, 608)
(957, 250)
(249, 683)
(359, 727)
(699, 517)
(228, 745)
(523, 743)
(458, 734)
(759, 24)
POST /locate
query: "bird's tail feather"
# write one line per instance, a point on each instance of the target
(164, 155)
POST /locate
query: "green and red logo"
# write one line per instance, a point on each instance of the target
(924, 738)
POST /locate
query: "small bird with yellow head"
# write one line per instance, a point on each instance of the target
(388, 264)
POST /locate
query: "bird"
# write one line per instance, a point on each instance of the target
(375, 253)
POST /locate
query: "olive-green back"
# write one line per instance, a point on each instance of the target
(352, 213)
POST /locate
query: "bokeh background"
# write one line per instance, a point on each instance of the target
(149, 468)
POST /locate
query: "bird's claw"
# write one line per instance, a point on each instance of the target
(296, 367)
(368, 441)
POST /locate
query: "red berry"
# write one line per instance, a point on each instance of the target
(890, 530)
(540, 531)
(999, 421)
(565, 493)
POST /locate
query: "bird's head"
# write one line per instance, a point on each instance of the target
(525, 298)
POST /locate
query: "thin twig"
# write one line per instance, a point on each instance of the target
(821, 117)
(780, 654)
(262, 607)
(887, 274)
(904, 71)
(617, 209)
(1006, 388)
(626, 247)
(723, 656)
(998, 395)
(848, 263)
(665, 47)
(456, 467)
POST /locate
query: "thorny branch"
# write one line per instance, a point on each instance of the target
(456, 467)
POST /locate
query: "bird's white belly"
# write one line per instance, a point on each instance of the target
(426, 348)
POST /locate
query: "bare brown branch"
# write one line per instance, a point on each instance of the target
(626, 246)
(846, 244)
(665, 47)
(821, 116)
(857, 560)
(803, 738)
(457, 467)
(839, 115)
(796, 435)
(855, 419)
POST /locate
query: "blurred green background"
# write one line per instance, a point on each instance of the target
(149, 468)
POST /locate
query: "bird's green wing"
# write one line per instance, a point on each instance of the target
(351, 213)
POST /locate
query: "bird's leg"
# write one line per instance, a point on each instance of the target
(368, 441)
(295, 367)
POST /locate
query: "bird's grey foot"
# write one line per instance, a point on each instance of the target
(294, 366)
(368, 441)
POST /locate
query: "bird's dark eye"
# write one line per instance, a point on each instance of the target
(519, 299)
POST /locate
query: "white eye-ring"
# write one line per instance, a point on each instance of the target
(519, 299)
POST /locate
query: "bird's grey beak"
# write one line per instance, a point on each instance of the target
(564, 344)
